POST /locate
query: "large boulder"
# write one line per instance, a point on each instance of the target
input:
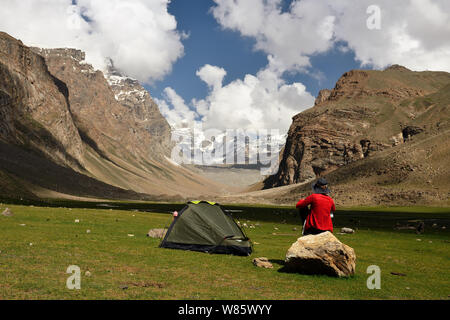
(321, 254)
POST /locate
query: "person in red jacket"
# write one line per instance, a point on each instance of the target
(322, 207)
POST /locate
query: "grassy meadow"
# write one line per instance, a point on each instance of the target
(118, 261)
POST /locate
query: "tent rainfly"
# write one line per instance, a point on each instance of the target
(204, 226)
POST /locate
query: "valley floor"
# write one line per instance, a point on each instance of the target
(118, 261)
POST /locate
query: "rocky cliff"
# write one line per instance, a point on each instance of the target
(34, 106)
(367, 111)
(67, 129)
(40, 144)
(113, 112)
(131, 95)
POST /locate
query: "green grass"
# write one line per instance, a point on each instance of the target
(116, 260)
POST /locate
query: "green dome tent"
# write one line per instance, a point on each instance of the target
(204, 226)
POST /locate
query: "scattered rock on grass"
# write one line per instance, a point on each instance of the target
(347, 230)
(157, 233)
(262, 262)
(7, 212)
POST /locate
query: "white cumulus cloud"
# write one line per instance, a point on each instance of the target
(139, 35)
(212, 75)
(414, 33)
(175, 110)
(261, 101)
(289, 37)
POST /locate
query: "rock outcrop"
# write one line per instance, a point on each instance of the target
(410, 131)
(320, 142)
(130, 94)
(323, 96)
(367, 111)
(34, 107)
(321, 254)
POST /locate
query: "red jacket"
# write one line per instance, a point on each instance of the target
(321, 206)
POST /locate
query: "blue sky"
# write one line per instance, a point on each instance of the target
(209, 43)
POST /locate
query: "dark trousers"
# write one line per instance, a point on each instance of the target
(313, 231)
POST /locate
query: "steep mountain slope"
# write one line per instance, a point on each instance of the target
(366, 112)
(117, 118)
(39, 141)
(145, 113)
(66, 128)
(34, 110)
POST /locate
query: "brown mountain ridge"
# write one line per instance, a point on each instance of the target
(69, 130)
